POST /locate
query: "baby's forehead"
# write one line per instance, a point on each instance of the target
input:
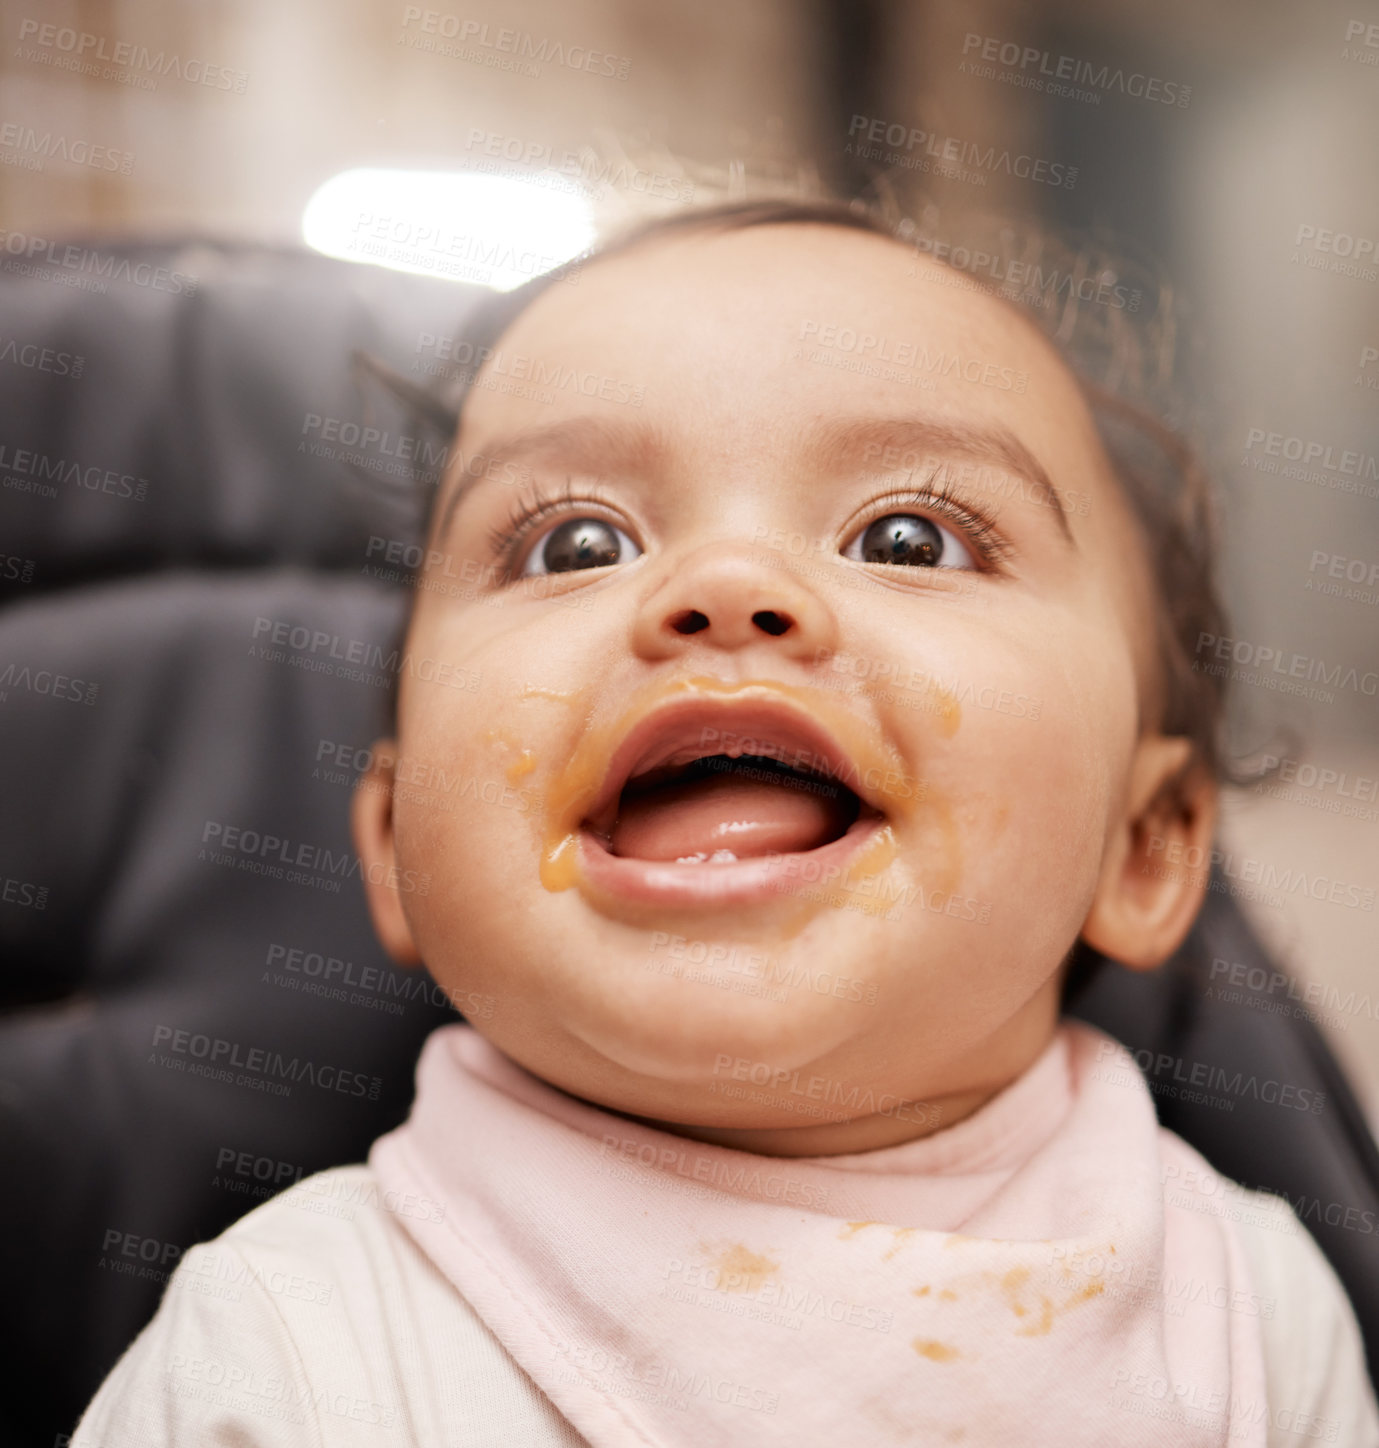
(783, 323)
(856, 300)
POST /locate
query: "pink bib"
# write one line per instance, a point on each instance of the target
(1001, 1281)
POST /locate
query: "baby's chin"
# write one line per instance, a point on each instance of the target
(681, 1015)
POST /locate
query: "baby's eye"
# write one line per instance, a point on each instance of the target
(907, 538)
(579, 543)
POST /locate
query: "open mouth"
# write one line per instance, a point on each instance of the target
(716, 808)
(710, 801)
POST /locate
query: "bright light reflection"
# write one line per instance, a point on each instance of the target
(496, 231)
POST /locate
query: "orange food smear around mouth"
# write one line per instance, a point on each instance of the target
(525, 761)
(521, 766)
(578, 786)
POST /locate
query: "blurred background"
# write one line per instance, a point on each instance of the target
(1229, 151)
(1235, 146)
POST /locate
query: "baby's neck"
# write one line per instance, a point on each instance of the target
(909, 1122)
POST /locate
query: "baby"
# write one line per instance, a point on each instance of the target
(826, 709)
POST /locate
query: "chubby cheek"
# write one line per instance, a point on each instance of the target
(1021, 758)
(476, 760)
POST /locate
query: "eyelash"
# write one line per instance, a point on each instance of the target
(938, 496)
(506, 539)
(978, 528)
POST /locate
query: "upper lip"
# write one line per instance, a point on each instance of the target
(755, 714)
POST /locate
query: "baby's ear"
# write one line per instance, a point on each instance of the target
(371, 821)
(1157, 863)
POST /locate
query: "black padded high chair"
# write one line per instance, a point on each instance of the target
(188, 561)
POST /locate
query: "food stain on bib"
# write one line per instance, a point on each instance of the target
(739, 1269)
(899, 1235)
(1041, 1315)
(902, 1235)
(1035, 1304)
(851, 1229)
(936, 1352)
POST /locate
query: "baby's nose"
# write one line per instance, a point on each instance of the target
(726, 598)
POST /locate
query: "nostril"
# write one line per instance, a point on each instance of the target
(689, 622)
(771, 622)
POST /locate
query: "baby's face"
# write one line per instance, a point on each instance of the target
(886, 590)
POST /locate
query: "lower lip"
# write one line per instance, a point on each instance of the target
(734, 882)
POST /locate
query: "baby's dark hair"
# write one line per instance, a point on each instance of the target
(1118, 355)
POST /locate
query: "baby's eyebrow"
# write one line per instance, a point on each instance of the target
(908, 439)
(586, 442)
(590, 442)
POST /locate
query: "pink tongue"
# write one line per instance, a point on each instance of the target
(724, 812)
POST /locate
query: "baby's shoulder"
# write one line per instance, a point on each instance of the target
(336, 1220)
(317, 1320)
(1317, 1377)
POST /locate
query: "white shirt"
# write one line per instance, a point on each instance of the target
(316, 1320)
